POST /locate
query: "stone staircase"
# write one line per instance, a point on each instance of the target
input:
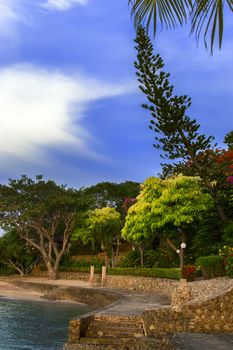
(110, 332)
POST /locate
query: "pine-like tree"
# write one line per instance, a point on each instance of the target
(177, 135)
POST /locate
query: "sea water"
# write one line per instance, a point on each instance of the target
(36, 325)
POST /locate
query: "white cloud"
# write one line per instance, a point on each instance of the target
(43, 109)
(11, 13)
(63, 5)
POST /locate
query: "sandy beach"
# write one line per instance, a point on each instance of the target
(10, 291)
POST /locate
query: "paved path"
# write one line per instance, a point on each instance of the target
(198, 341)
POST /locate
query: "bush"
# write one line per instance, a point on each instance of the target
(211, 266)
(173, 273)
(131, 259)
(83, 269)
(162, 258)
(143, 272)
(6, 270)
(93, 261)
(229, 266)
(188, 272)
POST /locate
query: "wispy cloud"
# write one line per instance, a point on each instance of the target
(15, 11)
(62, 5)
(41, 110)
(11, 13)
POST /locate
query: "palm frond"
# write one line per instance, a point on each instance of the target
(169, 12)
(207, 16)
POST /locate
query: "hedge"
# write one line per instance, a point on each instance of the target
(173, 273)
(211, 266)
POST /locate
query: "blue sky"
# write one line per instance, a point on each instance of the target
(69, 102)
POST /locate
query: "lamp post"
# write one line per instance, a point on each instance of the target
(182, 247)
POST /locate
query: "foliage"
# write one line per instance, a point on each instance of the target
(131, 259)
(226, 252)
(228, 140)
(173, 273)
(211, 266)
(16, 254)
(100, 226)
(228, 234)
(161, 258)
(98, 263)
(229, 266)
(177, 135)
(207, 236)
(108, 194)
(205, 16)
(188, 272)
(43, 214)
(6, 270)
(164, 206)
(146, 272)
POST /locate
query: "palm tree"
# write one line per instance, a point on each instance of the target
(206, 16)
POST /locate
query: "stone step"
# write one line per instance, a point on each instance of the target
(115, 335)
(107, 322)
(115, 344)
(115, 328)
(115, 318)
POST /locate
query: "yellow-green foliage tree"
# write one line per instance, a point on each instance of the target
(101, 226)
(166, 208)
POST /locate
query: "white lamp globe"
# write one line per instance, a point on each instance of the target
(183, 245)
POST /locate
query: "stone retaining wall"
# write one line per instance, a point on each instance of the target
(162, 286)
(96, 298)
(209, 316)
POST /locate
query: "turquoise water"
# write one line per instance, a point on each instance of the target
(35, 325)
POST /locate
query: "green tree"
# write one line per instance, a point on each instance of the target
(15, 253)
(177, 135)
(101, 226)
(228, 140)
(206, 16)
(109, 194)
(43, 214)
(166, 208)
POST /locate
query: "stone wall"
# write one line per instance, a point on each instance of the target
(96, 298)
(209, 315)
(162, 286)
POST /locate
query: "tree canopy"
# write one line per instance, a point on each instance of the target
(100, 226)
(166, 208)
(43, 214)
(178, 136)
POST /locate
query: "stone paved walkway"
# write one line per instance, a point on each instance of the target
(198, 341)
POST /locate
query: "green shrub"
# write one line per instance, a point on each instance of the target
(151, 258)
(83, 262)
(131, 259)
(78, 269)
(229, 266)
(162, 258)
(211, 266)
(6, 270)
(144, 272)
(173, 273)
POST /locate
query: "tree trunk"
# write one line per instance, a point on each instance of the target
(141, 255)
(117, 251)
(17, 268)
(52, 274)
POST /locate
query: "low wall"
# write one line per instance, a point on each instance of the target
(96, 298)
(160, 286)
(208, 316)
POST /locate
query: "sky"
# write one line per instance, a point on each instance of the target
(69, 98)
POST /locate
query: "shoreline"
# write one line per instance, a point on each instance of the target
(10, 291)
